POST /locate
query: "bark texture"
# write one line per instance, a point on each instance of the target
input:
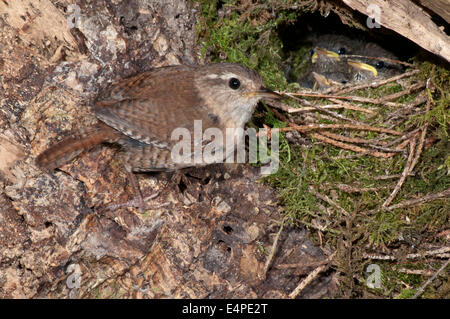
(56, 237)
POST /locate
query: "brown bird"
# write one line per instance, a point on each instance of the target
(141, 113)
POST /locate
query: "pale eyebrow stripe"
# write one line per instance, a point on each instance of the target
(224, 76)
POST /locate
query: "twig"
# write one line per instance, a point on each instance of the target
(302, 265)
(418, 100)
(310, 277)
(320, 228)
(424, 199)
(384, 177)
(372, 84)
(352, 189)
(328, 200)
(334, 114)
(422, 288)
(440, 252)
(424, 132)
(403, 138)
(355, 140)
(405, 173)
(408, 90)
(361, 141)
(338, 105)
(352, 107)
(310, 127)
(351, 98)
(400, 147)
(272, 251)
(351, 147)
(386, 149)
(423, 272)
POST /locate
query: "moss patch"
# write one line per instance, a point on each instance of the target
(246, 32)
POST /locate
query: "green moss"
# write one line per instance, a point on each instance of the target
(440, 78)
(249, 42)
(249, 36)
(406, 294)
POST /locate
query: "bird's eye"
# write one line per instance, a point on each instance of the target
(234, 83)
(380, 65)
(341, 51)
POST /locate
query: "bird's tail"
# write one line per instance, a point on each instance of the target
(64, 151)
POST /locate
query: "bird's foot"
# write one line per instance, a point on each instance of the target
(139, 202)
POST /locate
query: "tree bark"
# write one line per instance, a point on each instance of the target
(409, 20)
(57, 240)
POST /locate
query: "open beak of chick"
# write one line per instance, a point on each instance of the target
(322, 81)
(362, 66)
(325, 53)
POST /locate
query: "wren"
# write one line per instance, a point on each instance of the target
(141, 112)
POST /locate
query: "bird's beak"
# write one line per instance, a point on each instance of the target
(321, 80)
(362, 66)
(265, 92)
(325, 53)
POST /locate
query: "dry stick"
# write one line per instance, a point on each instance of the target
(423, 272)
(419, 99)
(372, 84)
(360, 141)
(310, 277)
(422, 288)
(440, 252)
(338, 105)
(328, 200)
(289, 109)
(405, 173)
(352, 107)
(333, 114)
(398, 140)
(369, 152)
(351, 147)
(405, 137)
(305, 128)
(320, 228)
(424, 199)
(419, 149)
(384, 177)
(408, 90)
(302, 265)
(424, 131)
(386, 149)
(272, 251)
(310, 127)
(356, 140)
(352, 189)
(351, 98)
(318, 136)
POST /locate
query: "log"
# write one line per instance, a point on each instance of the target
(409, 20)
(439, 7)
